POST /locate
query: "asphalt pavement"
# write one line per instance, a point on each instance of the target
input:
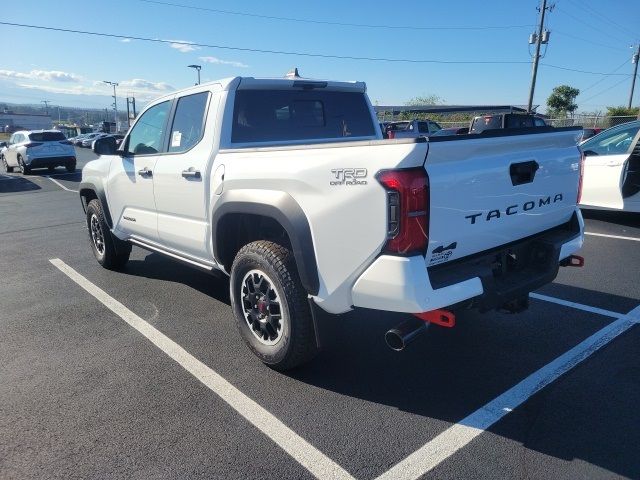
(85, 394)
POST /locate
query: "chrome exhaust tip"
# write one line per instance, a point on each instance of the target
(402, 335)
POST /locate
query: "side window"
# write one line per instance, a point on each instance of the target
(188, 122)
(611, 143)
(423, 127)
(146, 135)
(434, 127)
(12, 140)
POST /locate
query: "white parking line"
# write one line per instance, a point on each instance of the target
(61, 185)
(302, 451)
(436, 451)
(633, 239)
(578, 306)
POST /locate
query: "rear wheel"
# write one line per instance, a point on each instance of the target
(7, 168)
(51, 169)
(71, 167)
(270, 305)
(110, 252)
(26, 170)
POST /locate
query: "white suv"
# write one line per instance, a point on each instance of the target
(38, 149)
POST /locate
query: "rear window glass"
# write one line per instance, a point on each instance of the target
(287, 115)
(47, 137)
(519, 121)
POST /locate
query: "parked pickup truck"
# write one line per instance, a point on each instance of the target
(287, 186)
(505, 120)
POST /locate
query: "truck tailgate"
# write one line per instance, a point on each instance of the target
(487, 191)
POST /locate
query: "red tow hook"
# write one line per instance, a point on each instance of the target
(573, 261)
(439, 317)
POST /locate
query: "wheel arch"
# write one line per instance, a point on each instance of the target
(91, 191)
(281, 209)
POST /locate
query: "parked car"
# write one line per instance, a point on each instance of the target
(77, 141)
(88, 140)
(288, 188)
(612, 169)
(450, 131)
(27, 150)
(410, 128)
(505, 120)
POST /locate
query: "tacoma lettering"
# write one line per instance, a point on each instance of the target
(513, 209)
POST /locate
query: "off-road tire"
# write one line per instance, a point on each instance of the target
(297, 342)
(110, 252)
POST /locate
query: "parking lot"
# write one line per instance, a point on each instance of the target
(142, 373)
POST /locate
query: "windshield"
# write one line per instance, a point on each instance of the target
(47, 137)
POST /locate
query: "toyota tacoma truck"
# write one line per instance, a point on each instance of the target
(287, 187)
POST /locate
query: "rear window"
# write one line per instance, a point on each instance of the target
(289, 115)
(488, 122)
(519, 121)
(47, 137)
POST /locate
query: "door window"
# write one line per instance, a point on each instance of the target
(614, 142)
(147, 134)
(188, 122)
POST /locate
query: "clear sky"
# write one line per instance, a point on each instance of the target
(67, 68)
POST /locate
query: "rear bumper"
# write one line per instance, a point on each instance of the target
(488, 279)
(42, 162)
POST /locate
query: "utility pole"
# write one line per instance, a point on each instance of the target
(46, 106)
(634, 60)
(115, 101)
(542, 37)
(131, 101)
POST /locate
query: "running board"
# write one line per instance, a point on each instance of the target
(158, 249)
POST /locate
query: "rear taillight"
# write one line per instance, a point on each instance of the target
(407, 210)
(32, 144)
(581, 175)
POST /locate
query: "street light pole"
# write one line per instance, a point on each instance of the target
(198, 68)
(115, 101)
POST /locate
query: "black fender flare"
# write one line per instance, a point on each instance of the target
(284, 210)
(99, 192)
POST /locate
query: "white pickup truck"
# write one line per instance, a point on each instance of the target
(286, 186)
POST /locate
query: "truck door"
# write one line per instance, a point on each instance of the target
(130, 184)
(183, 180)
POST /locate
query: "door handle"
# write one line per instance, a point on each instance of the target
(145, 172)
(191, 173)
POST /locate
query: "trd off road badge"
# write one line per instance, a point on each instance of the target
(442, 253)
(348, 176)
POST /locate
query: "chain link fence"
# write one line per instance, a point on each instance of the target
(590, 121)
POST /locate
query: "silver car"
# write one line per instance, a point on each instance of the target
(88, 140)
(27, 150)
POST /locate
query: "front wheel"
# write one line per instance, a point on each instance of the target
(110, 252)
(270, 305)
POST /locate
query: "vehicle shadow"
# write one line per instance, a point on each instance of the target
(626, 219)
(16, 184)
(448, 373)
(158, 267)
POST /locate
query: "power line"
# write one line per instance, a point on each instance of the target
(608, 34)
(606, 90)
(327, 22)
(581, 71)
(605, 77)
(604, 17)
(586, 40)
(257, 50)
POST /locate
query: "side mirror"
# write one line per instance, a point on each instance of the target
(105, 146)
(3, 144)
(589, 153)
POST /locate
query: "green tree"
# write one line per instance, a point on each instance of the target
(623, 111)
(562, 100)
(425, 100)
